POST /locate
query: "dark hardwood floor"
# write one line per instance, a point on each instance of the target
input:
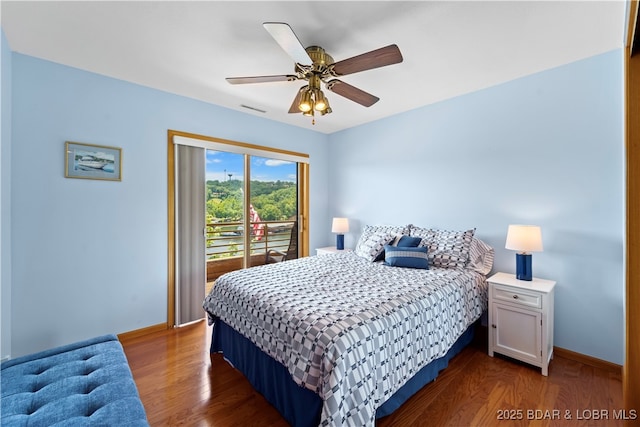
(181, 386)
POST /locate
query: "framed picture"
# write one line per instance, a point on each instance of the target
(90, 161)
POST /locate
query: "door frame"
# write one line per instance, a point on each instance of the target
(631, 371)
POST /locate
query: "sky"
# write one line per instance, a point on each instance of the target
(220, 164)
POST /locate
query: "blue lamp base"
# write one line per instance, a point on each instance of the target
(523, 267)
(340, 242)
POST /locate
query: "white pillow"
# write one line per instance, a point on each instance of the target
(480, 257)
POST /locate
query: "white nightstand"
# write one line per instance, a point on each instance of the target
(329, 250)
(521, 319)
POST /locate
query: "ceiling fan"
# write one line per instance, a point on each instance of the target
(321, 68)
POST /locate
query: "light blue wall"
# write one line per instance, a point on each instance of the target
(5, 198)
(90, 257)
(546, 149)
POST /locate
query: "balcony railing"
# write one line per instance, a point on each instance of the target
(225, 244)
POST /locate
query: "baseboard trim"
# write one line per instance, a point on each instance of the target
(588, 360)
(128, 336)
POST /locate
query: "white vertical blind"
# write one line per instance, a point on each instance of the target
(190, 225)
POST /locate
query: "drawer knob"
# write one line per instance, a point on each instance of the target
(493, 326)
(515, 297)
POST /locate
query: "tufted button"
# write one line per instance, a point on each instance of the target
(92, 408)
(42, 370)
(90, 387)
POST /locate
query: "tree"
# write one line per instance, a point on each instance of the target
(273, 200)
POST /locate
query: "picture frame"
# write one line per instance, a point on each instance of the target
(91, 161)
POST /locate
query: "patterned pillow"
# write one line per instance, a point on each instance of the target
(447, 248)
(373, 246)
(406, 256)
(399, 230)
(396, 230)
(480, 256)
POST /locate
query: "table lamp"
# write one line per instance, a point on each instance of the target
(340, 226)
(524, 238)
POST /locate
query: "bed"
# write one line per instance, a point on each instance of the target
(345, 338)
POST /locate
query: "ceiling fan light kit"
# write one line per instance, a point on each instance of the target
(310, 97)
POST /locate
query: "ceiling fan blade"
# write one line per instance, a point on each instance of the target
(352, 93)
(376, 58)
(287, 39)
(262, 79)
(294, 105)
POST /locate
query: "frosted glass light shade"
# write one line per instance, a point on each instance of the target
(340, 225)
(524, 238)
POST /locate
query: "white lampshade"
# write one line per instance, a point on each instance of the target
(340, 225)
(524, 238)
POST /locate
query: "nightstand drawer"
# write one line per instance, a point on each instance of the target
(517, 297)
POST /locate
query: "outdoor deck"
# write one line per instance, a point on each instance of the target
(225, 245)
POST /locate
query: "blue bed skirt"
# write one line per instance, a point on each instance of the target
(300, 406)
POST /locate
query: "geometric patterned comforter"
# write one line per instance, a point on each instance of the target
(350, 330)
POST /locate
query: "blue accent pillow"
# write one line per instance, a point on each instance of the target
(410, 257)
(409, 242)
(403, 242)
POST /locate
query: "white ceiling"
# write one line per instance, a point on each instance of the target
(188, 47)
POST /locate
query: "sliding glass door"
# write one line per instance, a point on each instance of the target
(274, 210)
(251, 210)
(225, 208)
(255, 203)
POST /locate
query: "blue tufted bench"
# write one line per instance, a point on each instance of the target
(85, 383)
